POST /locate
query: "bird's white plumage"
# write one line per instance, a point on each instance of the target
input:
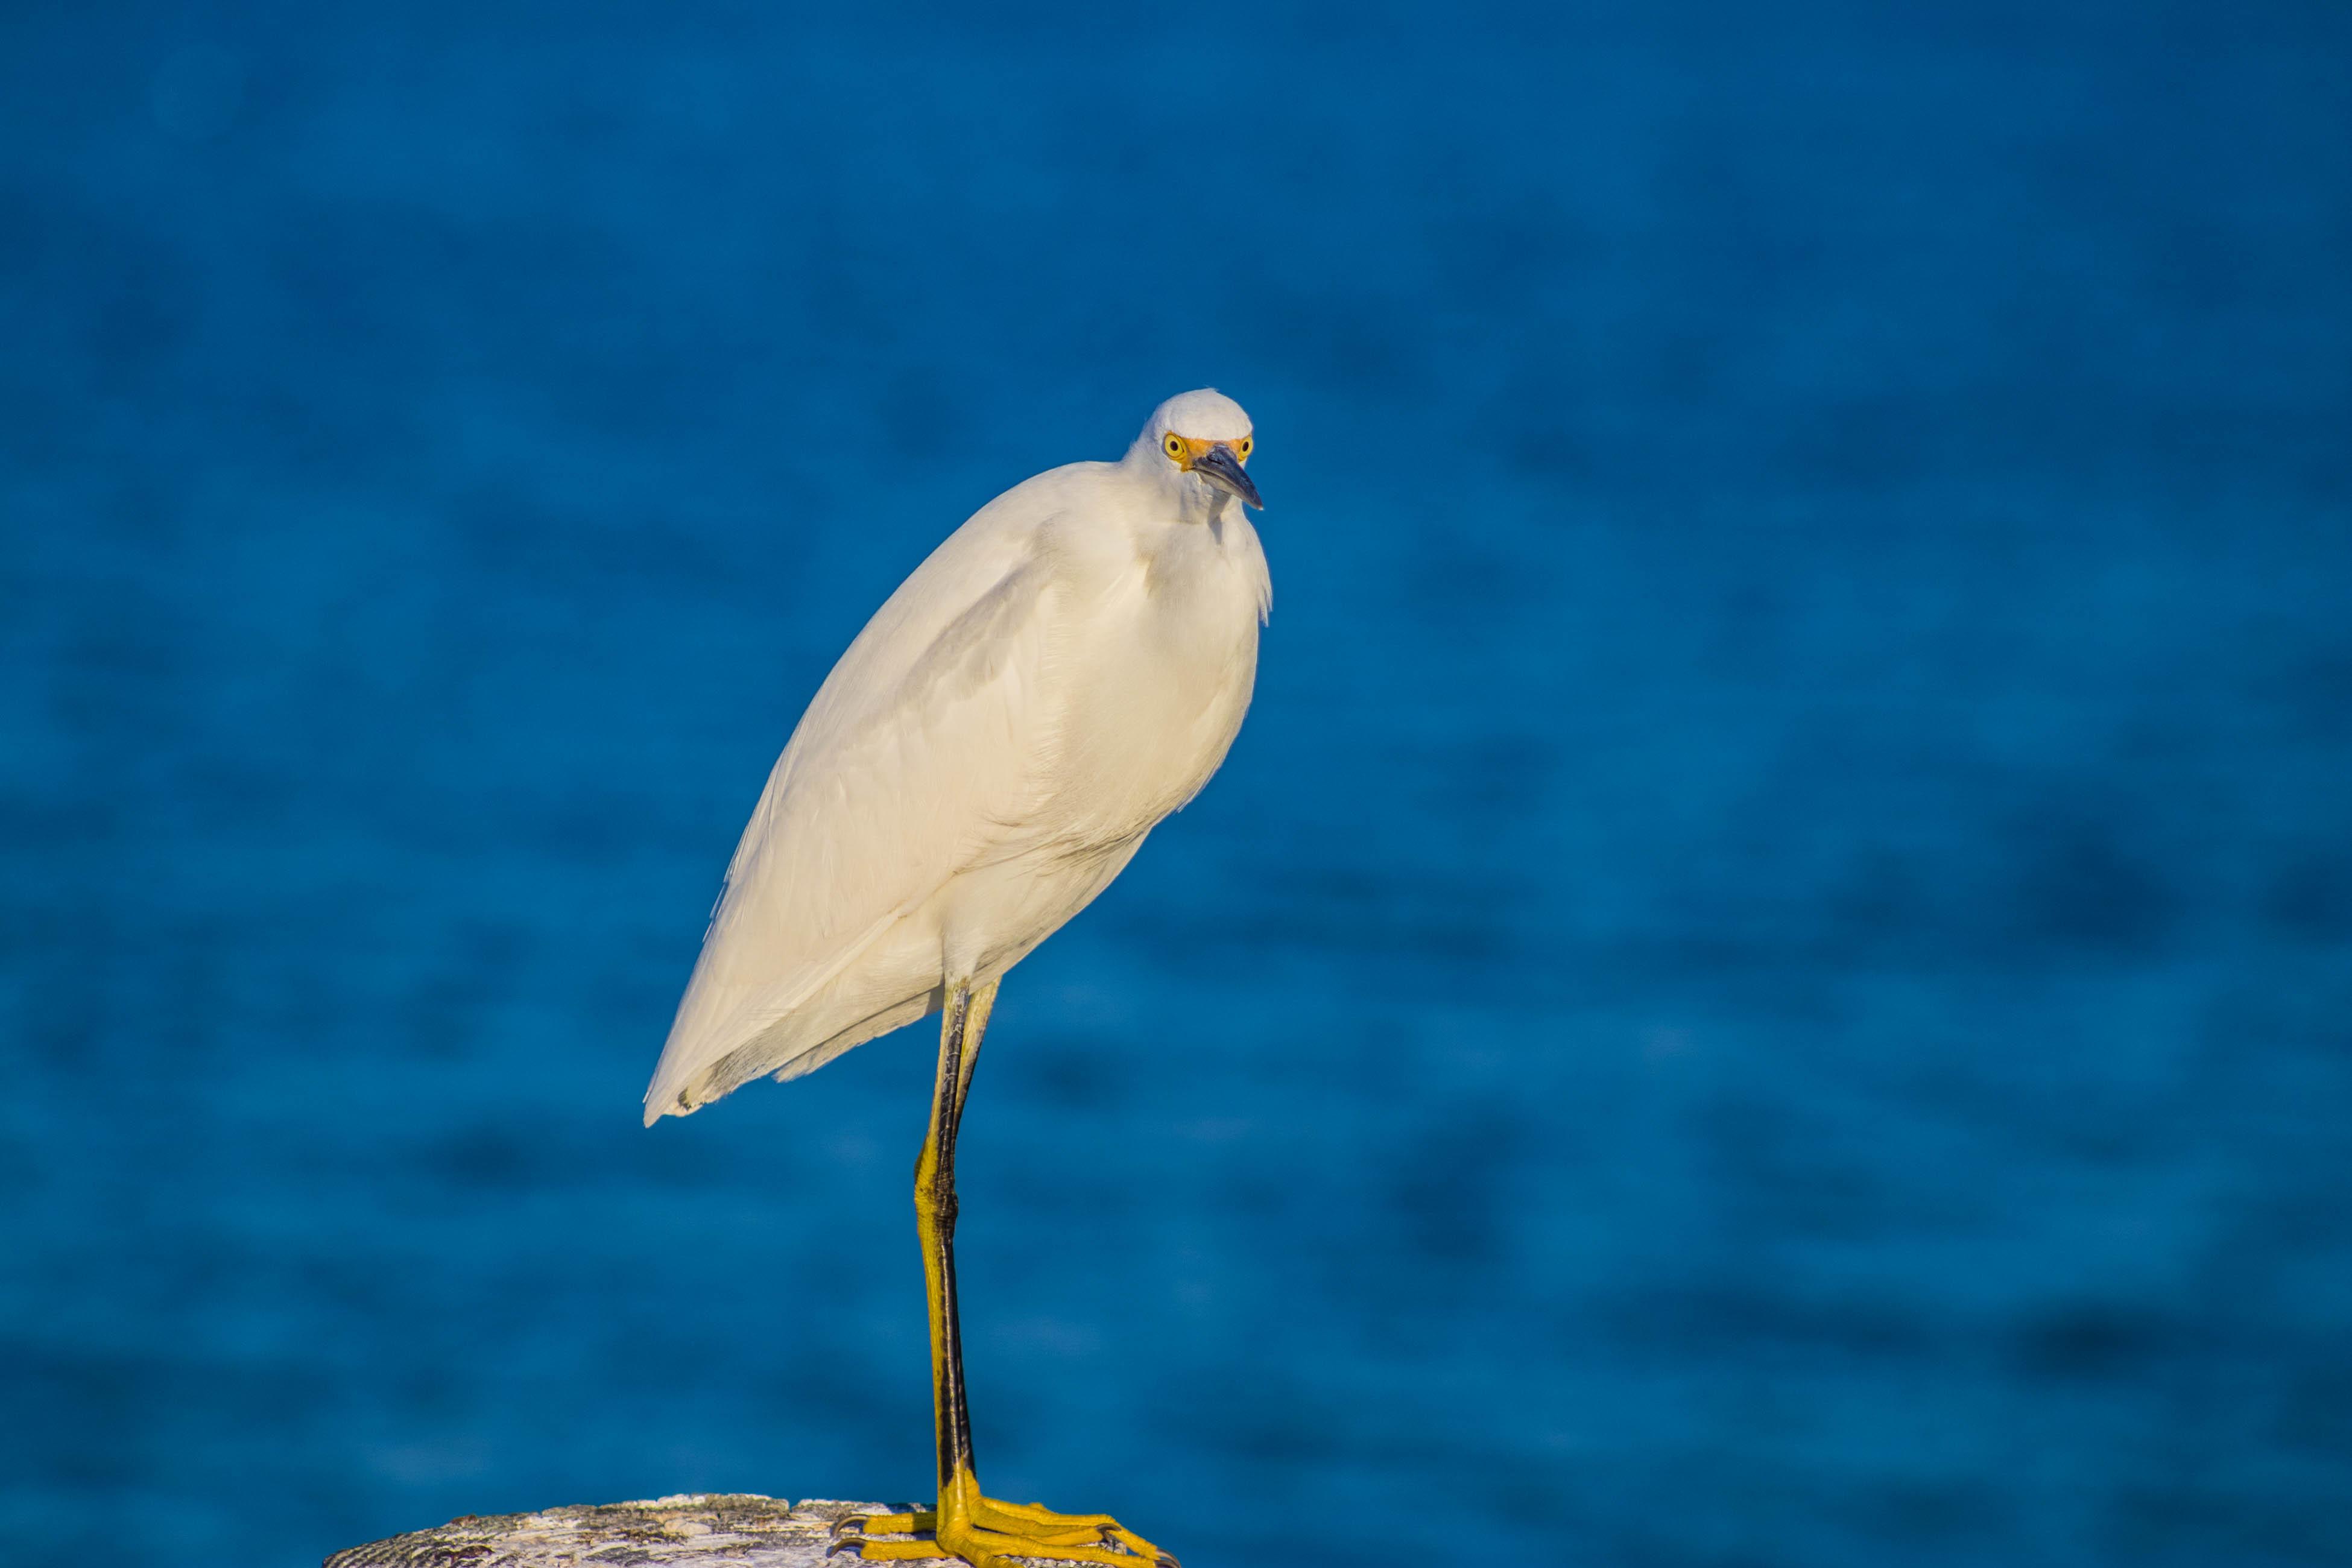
(1070, 667)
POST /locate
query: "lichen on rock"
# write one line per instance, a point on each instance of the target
(717, 1529)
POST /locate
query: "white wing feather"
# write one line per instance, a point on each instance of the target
(920, 749)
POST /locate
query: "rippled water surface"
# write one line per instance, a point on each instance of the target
(1770, 981)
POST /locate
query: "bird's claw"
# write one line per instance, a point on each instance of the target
(1119, 1538)
(995, 1534)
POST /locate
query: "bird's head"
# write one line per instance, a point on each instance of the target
(1201, 441)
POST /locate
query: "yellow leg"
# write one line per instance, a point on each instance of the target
(980, 1530)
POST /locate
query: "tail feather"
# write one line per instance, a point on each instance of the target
(781, 1048)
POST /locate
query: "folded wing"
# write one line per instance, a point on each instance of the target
(920, 749)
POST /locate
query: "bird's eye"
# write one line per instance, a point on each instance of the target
(1175, 445)
(1242, 447)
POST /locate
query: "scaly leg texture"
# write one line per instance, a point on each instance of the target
(982, 1530)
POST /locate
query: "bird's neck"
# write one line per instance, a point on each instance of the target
(1182, 499)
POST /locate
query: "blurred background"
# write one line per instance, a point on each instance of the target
(1770, 981)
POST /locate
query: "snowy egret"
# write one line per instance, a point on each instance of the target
(1066, 670)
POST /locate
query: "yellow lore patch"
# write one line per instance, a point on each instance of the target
(1183, 451)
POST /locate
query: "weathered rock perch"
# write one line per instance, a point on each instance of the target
(714, 1530)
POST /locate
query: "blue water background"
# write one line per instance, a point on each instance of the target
(1770, 981)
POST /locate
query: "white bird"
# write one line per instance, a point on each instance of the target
(1070, 667)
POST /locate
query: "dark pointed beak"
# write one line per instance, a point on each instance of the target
(1223, 469)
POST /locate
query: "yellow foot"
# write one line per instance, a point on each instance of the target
(987, 1533)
